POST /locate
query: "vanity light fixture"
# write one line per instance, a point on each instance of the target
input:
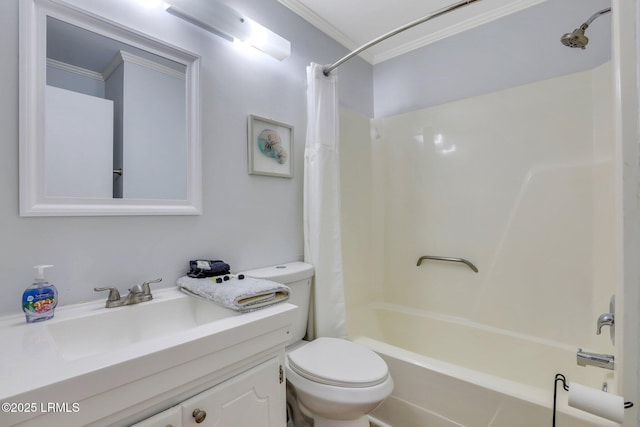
(231, 25)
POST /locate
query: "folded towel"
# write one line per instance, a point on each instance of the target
(244, 295)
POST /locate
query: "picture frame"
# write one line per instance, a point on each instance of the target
(270, 147)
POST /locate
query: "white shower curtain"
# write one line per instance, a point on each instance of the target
(322, 241)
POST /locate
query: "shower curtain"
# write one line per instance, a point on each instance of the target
(322, 240)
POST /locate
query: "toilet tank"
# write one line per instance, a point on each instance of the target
(297, 276)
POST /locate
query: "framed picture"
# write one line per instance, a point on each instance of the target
(270, 148)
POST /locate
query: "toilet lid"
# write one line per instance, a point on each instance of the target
(338, 362)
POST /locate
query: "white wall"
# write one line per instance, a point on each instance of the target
(518, 181)
(249, 221)
(520, 48)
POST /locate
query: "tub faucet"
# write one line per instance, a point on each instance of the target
(605, 319)
(605, 361)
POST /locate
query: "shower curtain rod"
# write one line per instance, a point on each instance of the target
(329, 68)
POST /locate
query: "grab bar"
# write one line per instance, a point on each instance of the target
(444, 258)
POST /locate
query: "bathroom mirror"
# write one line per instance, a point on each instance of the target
(109, 118)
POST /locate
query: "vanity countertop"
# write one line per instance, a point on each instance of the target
(37, 365)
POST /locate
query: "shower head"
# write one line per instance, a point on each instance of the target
(577, 37)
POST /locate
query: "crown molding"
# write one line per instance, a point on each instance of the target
(451, 30)
(317, 21)
(53, 63)
(323, 25)
(123, 56)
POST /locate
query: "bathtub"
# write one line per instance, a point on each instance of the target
(450, 372)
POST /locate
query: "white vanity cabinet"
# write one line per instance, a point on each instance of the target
(253, 398)
(172, 417)
(184, 354)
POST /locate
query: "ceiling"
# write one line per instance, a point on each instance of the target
(356, 22)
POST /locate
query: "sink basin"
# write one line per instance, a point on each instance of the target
(101, 330)
(88, 354)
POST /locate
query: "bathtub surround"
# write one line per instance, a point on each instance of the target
(519, 199)
(566, 242)
(321, 199)
(520, 181)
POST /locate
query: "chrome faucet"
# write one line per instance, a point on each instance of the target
(605, 319)
(608, 319)
(137, 294)
(605, 361)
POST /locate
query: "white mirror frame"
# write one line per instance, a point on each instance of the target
(32, 67)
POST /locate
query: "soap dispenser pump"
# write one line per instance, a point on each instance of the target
(40, 299)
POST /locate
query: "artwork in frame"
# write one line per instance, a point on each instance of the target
(270, 147)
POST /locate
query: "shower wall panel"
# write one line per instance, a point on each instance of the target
(362, 245)
(517, 181)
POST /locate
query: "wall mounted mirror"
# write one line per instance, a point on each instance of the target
(109, 118)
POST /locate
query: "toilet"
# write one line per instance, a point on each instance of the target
(333, 381)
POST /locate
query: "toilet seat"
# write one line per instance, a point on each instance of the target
(338, 362)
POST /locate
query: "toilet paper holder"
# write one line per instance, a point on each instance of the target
(561, 378)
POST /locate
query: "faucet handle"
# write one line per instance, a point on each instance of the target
(146, 289)
(114, 294)
(605, 319)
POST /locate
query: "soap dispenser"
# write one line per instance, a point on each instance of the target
(40, 299)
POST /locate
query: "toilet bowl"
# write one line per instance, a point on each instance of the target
(335, 382)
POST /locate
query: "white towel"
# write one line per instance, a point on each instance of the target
(244, 295)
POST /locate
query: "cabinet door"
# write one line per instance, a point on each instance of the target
(172, 417)
(254, 398)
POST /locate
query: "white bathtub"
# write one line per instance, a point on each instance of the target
(450, 372)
